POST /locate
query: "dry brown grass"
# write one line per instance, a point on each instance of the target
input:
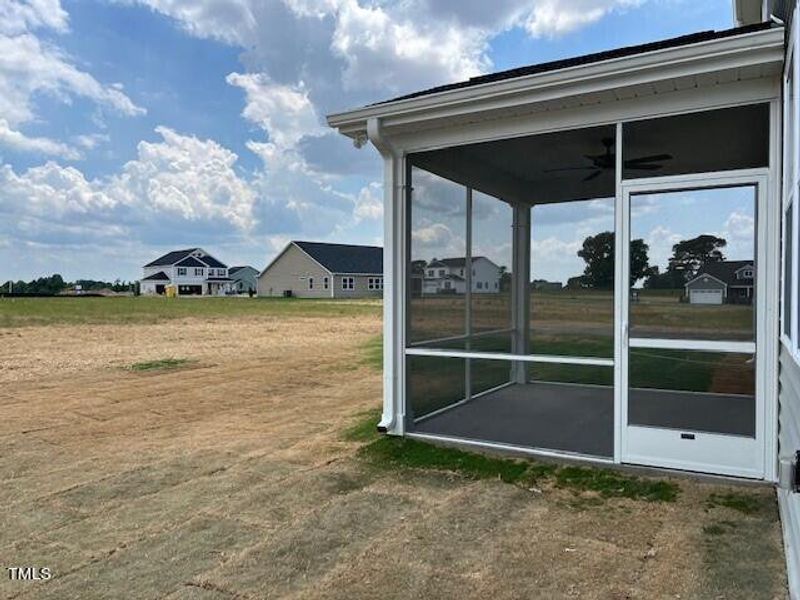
(230, 478)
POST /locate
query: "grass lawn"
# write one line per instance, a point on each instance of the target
(21, 312)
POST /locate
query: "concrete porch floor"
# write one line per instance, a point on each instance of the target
(580, 418)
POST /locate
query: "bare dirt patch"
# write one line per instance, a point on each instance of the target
(231, 477)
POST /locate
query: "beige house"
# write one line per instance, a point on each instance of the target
(320, 270)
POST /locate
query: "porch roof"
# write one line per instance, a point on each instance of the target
(690, 61)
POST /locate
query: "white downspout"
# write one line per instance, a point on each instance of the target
(393, 278)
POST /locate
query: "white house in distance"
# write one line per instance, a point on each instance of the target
(449, 276)
(322, 270)
(728, 281)
(703, 114)
(194, 272)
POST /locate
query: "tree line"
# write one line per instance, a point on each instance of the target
(55, 284)
(688, 257)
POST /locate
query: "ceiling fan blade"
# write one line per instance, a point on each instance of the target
(586, 168)
(594, 175)
(644, 167)
(647, 159)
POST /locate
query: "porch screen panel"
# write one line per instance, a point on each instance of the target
(433, 384)
(490, 277)
(700, 142)
(693, 267)
(572, 278)
(437, 305)
(693, 390)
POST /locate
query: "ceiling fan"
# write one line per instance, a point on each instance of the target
(607, 160)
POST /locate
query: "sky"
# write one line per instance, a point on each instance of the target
(132, 127)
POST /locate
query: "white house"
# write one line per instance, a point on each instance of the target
(449, 276)
(729, 281)
(711, 117)
(193, 272)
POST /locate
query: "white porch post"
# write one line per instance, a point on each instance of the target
(395, 255)
(520, 296)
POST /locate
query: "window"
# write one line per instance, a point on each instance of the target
(480, 285)
(182, 271)
(198, 271)
(325, 283)
(348, 283)
(375, 283)
(431, 273)
(311, 283)
(441, 272)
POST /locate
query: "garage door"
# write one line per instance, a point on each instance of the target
(705, 296)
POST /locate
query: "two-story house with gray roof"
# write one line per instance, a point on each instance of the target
(321, 270)
(193, 272)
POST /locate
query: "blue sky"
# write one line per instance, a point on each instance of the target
(130, 127)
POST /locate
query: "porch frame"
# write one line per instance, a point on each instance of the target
(399, 129)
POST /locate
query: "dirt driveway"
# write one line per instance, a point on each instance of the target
(229, 478)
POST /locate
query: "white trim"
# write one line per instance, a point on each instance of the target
(351, 281)
(533, 358)
(657, 446)
(463, 401)
(699, 345)
(690, 282)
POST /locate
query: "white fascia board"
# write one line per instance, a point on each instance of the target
(756, 48)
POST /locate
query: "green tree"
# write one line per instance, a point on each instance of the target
(688, 256)
(598, 253)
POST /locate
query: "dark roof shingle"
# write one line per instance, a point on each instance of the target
(345, 258)
(170, 258)
(725, 271)
(160, 276)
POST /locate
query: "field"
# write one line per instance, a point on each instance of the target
(225, 448)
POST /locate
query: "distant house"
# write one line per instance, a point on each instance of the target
(320, 270)
(243, 279)
(449, 276)
(193, 272)
(729, 281)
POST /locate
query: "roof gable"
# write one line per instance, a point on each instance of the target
(345, 258)
(190, 261)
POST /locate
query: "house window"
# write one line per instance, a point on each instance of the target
(441, 272)
(348, 283)
(311, 283)
(325, 283)
(431, 272)
(198, 271)
(462, 272)
(182, 271)
(480, 285)
(375, 283)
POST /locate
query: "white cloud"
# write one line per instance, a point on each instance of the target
(91, 140)
(369, 203)
(16, 140)
(31, 67)
(177, 186)
(554, 18)
(284, 112)
(20, 16)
